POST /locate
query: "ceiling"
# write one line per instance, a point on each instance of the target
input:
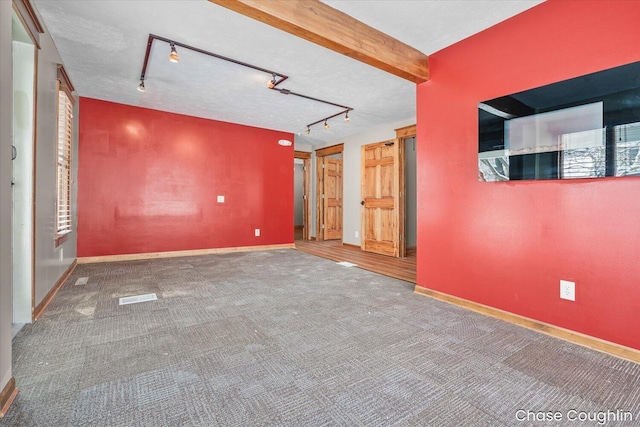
(103, 42)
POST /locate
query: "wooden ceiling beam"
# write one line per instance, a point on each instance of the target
(321, 24)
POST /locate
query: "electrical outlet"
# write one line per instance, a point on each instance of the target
(567, 290)
(257, 232)
(220, 199)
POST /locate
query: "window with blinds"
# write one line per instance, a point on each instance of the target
(63, 158)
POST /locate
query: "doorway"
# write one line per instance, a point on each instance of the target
(411, 190)
(403, 267)
(407, 138)
(388, 204)
(301, 190)
(329, 190)
(24, 70)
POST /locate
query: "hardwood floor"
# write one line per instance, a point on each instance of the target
(400, 268)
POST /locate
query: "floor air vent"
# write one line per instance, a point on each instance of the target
(347, 264)
(138, 298)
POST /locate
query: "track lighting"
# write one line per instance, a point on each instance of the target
(326, 119)
(272, 83)
(173, 56)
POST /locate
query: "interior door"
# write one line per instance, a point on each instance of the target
(332, 201)
(380, 166)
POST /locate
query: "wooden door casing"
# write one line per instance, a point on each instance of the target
(321, 155)
(402, 134)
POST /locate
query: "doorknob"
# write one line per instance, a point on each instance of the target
(362, 203)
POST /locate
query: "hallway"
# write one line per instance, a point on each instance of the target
(400, 268)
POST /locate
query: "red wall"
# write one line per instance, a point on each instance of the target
(507, 245)
(148, 182)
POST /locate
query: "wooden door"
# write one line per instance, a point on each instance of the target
(332, 199)
(381, 182)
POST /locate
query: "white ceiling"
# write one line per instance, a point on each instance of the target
(103, 42)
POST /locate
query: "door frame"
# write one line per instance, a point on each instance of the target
(402, 134)
(22, 258)
(306, 190)
(321, 153)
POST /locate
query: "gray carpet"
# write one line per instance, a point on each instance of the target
(285, 338)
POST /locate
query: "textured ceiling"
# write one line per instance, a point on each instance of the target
(102, 44)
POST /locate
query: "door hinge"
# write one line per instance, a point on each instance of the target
(322, 226)
(323, 166)
(323, 196)
(401, 237)
(304, 197)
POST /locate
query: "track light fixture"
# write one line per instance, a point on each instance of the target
(326, 119)
(173, 56)
(276, 78)
(272, 83)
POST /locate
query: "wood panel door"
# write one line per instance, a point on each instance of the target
(332, 198)
(381, 182)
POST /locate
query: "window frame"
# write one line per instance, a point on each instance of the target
(65, 103)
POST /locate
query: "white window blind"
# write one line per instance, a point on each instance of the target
(63, 158)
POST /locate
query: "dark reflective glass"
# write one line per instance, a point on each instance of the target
(586, 127)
